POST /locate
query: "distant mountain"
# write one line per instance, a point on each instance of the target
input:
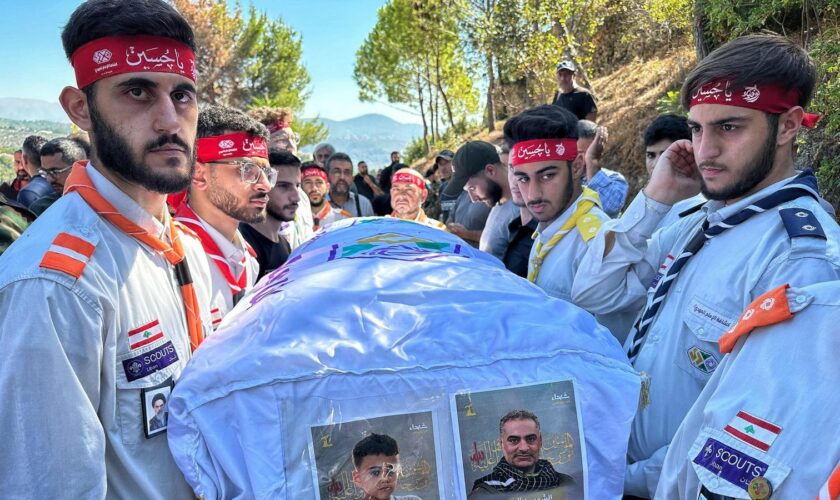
(370, 137)
(15, 108)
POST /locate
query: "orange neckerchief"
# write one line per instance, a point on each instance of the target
(80, 182)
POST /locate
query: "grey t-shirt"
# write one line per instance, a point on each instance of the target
(472, 216)
(350, 206)
(496, 234)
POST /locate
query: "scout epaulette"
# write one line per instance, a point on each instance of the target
(768, 309)
(68, 254)
(800, 222)
(691, 210)
(588, 226)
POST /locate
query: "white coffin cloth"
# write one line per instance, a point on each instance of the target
(384, 316)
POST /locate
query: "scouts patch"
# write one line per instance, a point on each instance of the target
(702, 360)
(144, 335)
(729, 464)
(147, 363)
(753, 430)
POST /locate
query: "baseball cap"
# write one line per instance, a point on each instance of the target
(567, 64)
(470, 159)
(445, 154)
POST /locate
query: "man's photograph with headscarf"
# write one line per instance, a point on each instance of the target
(391, 457)
(521, 442)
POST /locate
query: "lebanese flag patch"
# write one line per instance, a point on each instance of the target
(145, 335)
(753, 431)
(216, 316)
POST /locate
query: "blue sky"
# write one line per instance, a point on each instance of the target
(32, 63)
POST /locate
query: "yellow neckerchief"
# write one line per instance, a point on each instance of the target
(587, 200)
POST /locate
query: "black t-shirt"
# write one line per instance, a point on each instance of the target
(362, 186)
(270, 255)
(519, 249)
(579, 101)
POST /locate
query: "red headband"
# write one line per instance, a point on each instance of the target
(239, 144)
(543, 150)
(407, 178)
(768, 98)
(114, 55)
(313, 172)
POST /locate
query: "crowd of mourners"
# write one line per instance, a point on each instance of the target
(719, 278)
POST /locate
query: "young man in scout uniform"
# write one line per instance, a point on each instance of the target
(116, 287)
(762, 226)
(314, 182)
(230, 185)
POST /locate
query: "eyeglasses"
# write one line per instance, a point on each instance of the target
(54, 172)
(250, 172)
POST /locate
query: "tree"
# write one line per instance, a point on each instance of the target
(413, 57)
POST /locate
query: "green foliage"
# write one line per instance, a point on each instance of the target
(826, 53)
(311, 131)
(7, 169)
(670, 103)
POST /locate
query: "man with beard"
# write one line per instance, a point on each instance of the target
(543, 145)
(230, 185)
(521, 469)
(339, 168)
(408, 192)
(481, 174)
(283, 201)
(11, 189)
(762, 227)
(364, 182)
(119, 294)
(316, 185)
(57, 158)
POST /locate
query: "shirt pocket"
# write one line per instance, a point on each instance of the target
(706, 321)
(140, 369)
(726, 466)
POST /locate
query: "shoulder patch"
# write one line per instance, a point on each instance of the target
(588, 225)
(767, 309)
(68, 254)
(800, 222)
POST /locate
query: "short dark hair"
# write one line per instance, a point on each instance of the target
(669, 126)
(82, 139)
(215, 119)
(543, 122)
(308, 164)
(374, 444)
(517, 415)
(32, 149)
(361, 161)
(756, 59)
(432, 170)
(69, 150)
(158, 397)
(395, 152)
(337, 157)
(96, 19)
(586, 129)
(278, 157)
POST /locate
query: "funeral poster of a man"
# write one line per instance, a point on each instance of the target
(522, 442)
(390, 457)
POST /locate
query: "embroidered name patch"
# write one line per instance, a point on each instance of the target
(730, 464)
(150, 362)
(702, 360)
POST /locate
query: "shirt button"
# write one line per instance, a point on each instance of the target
(800, 299)
(700, 330)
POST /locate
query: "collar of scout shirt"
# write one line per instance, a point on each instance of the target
(716, 211)
(128, 207)
(547, 232)
(234, 255)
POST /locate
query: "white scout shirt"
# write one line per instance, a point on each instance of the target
(84, 357)
(769, 410)
(680, 351)
(559, 266)
(238, 258)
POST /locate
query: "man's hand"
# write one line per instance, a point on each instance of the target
(675, 176)
(457, 229)
(593, 155)
(377, 191)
